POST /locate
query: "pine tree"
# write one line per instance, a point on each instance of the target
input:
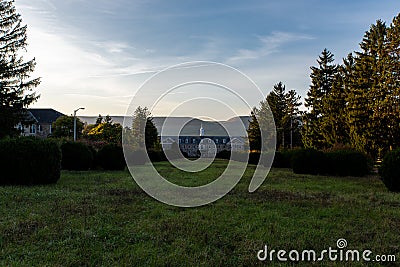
(322, 79)
(277, 102)
(293, 120)
(369, 106)
(334, 128)
(15, 86)
(253, 132)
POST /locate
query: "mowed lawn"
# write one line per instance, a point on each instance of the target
(104, 219)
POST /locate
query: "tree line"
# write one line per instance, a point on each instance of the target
(354, 104)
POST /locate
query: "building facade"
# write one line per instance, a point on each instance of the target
(38, 122)
(207, 146)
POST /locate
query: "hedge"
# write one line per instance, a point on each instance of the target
(111, 157)
(390, 170)
(76, 156)
(335, 163)
(347, 163)
(29, 161)
(283, 159)
(309, 161)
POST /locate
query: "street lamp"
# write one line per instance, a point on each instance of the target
(75, 111)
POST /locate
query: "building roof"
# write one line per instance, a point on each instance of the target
(45, 115)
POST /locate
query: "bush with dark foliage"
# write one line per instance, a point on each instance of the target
(347, 163)
(76, 156)
(309, 161)
(390, 170)
(283, 159)
(29, 161)
(111, 157)
(224, 154)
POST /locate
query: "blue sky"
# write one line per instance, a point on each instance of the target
(96, 53)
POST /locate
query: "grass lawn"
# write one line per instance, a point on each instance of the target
(105, 219)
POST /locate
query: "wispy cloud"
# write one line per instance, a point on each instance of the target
(268, 44)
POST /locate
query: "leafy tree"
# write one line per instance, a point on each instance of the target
(143, 133)
(106, 131)
(64, 127)
(16, 89)
(151, 134)
(322, 80)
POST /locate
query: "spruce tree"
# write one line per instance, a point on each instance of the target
(16, 87)
(285, 109)
(277, 102)
(293, 121)
(322, 79)
(253, 132)
(369, 102)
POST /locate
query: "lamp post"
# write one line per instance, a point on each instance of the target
(75, 111)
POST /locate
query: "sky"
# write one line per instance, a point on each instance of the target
(97, 53)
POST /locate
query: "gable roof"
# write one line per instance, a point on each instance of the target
(45, 115)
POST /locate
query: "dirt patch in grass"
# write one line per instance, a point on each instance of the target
(22, 230)
(278, 195)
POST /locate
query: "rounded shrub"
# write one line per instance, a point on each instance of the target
(156, 155)
(76, 156)
(390, 170)
(283, 159)
(111, 157)
(29, 161)
(347, 163)
(309, 161)
(254, 158)
(224, 154)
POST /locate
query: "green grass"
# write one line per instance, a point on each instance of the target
(105, 219)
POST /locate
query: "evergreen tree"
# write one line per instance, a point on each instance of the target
(285, 109)
(99, 120)
(277, 102)
(293, 122)
(322, 79)
(371, 95)
(15, 86)
(253, 132)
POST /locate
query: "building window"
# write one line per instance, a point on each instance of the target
(224, 141)
(51, 129)
(194, 141)
(216, 141)
(180, 141)
(40, 128)
(32, 129)
(187, 141)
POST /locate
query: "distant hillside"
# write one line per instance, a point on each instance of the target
(192, 125)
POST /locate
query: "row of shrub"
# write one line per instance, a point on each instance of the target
(29, 161)
(81, 157)
(310, 161)
(335, 163)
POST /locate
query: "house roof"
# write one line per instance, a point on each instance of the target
(45, 115)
